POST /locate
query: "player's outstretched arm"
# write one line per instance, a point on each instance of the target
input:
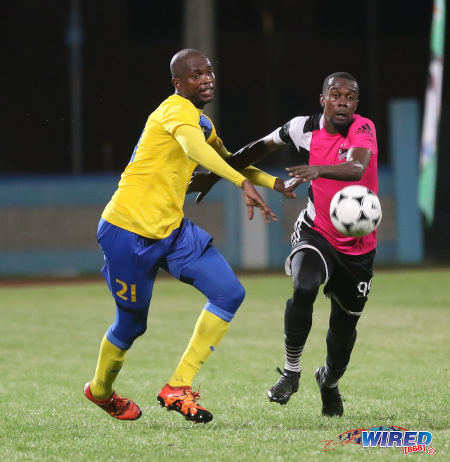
(352, 170)
(250, 154)
(192, 141)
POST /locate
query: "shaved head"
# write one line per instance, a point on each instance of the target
(179, 63)
(338, 75)
(193, 76)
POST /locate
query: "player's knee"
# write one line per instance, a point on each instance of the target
(226, 305)
(128, 326)
(236, 296)
(124, 337)
(139, 330)
(304, 292)
(232, 299)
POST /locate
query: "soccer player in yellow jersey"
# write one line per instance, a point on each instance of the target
(142, 229)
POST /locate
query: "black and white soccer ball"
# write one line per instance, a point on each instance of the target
(355, 211)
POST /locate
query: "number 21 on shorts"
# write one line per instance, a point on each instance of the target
(126, 291)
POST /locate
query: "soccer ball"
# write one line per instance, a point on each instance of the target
(355, 211)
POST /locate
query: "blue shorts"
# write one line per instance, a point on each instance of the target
(132, 262)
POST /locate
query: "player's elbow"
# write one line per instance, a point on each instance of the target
(357, 170)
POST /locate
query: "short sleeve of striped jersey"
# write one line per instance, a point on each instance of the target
(292, 133)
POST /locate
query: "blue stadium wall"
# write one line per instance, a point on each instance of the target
(48, 224)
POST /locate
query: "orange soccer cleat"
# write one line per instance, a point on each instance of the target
(116, 406)
(184, 401)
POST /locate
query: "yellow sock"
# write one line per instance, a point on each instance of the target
(110, 360)
(208, 332)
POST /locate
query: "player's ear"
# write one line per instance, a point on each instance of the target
(176, 82)
(322, 100)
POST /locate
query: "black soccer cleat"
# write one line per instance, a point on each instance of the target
(331, 398)
(286, 386)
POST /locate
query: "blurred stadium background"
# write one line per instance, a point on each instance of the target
(82, 77)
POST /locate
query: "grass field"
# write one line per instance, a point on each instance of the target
(51, 333)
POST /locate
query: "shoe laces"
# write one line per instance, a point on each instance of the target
(188, 401)
(288, 376)
(118, 404)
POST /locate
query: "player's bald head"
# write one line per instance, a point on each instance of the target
(179, 64)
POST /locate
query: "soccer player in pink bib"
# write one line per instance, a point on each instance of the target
(338, 148)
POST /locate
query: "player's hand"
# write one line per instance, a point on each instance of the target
(202, 182)
(286, 187)
(304, 172)
(253, 199)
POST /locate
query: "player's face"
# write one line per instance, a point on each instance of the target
(339, 104)
(197, 82)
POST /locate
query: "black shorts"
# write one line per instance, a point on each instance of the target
(348, 277)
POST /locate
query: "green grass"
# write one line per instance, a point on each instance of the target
(49, 344)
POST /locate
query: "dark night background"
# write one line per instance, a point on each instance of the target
(271, 59)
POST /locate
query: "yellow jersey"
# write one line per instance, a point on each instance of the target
(151, 192)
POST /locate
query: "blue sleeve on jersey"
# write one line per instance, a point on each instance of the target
(206, 126)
